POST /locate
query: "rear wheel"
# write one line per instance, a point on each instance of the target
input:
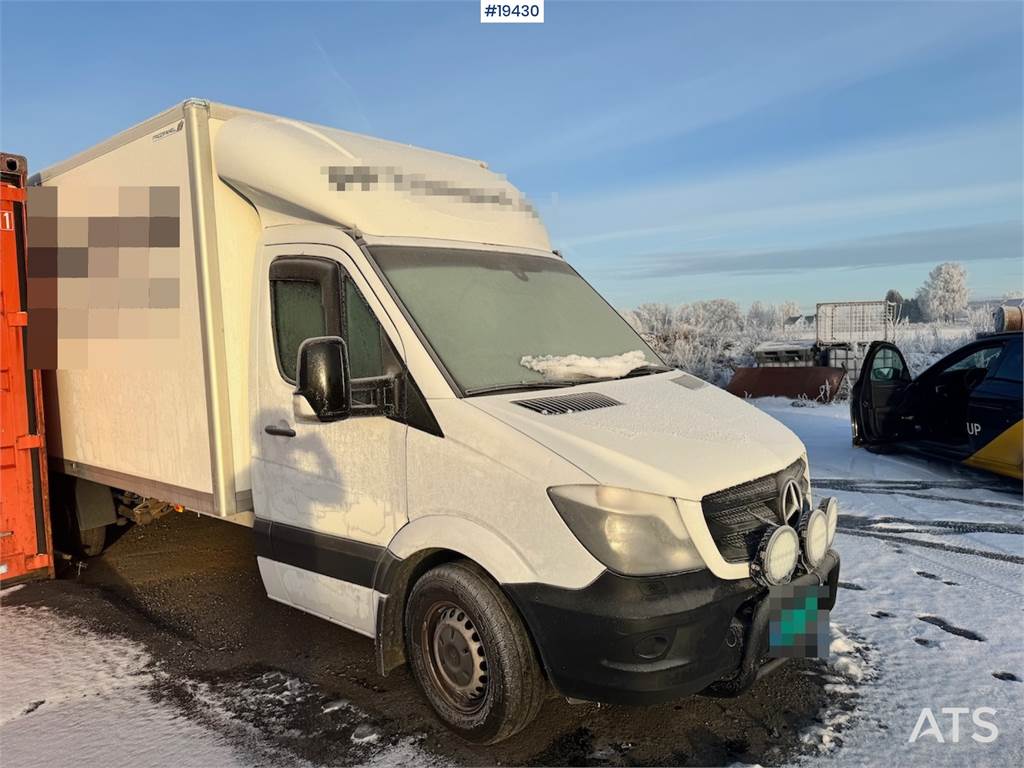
(471, 654)
(92, 540)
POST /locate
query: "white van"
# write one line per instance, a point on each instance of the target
(442, 436)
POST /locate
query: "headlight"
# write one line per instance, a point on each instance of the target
(830, 507)
(776, 557)
(814, 533)
(630, 532)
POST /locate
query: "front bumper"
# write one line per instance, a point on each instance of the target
(627, 640)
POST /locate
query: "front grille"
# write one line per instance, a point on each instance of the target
(738, 516)
(559, 404)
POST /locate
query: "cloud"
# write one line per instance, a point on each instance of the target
(994, 240)
(749, 68)
(944, 178)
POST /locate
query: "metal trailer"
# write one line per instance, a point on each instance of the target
(25, 542)
(845, 329)
(841, 322)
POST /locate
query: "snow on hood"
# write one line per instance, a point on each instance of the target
(580, 366)
(672, 434)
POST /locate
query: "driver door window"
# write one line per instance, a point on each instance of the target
(298, 315)
(887, 366)
(315, 297)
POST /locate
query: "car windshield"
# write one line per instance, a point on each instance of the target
(500, 320)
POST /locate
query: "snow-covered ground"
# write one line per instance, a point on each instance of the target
(932, 610)
(70, 696)
(67, 691)
(929, 615)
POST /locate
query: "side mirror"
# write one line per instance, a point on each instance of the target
(322, 377)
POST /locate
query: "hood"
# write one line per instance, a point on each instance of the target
(671, 434)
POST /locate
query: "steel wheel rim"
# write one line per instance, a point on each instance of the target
(455, 656)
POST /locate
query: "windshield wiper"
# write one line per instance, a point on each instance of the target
(646, 370)
(523, 386)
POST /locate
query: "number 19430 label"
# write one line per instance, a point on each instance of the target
(531, 12)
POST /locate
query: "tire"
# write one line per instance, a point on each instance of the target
(92, 540)
(458, 622)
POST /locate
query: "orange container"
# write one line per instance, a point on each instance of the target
(26, 549)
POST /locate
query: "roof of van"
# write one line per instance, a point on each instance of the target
(294, 170)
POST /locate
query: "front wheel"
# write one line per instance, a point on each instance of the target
(471, 654)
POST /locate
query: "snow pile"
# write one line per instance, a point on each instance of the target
(581, 367)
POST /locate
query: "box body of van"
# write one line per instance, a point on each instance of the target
(442, 437)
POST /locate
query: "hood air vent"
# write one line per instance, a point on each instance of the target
(559, 404)
(690, 382)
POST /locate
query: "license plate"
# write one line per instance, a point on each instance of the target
(798, 622)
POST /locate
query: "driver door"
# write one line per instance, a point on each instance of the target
(882, 386)
(328, 496)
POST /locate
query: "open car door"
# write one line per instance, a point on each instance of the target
(880, 389)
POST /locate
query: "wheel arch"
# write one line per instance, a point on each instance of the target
(420, 546)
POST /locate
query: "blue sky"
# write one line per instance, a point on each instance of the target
(676, 150)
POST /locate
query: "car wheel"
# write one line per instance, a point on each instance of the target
(92, 540)
(471, 655)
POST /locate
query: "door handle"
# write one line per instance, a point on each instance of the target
(273, 429)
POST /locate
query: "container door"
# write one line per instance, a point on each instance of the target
(328, 497)
(25, 549)
(882, 385)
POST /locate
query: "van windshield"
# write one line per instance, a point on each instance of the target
(503, 321)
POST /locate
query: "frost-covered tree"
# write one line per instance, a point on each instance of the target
(895, 298)
(717, 316)
(790, 309)
(761, 315)
(944, 293)
(655, 322)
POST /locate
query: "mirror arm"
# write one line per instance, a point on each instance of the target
(383, 392)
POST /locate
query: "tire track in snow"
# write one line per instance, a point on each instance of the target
(1006, 558)
(851, 484)
(912, 489)
(920, 526)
